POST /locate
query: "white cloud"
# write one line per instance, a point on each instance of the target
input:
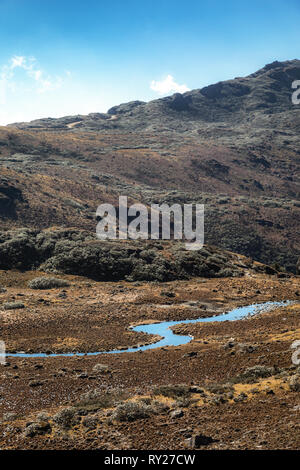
(168, 85)
(17, 61)
(42, 81)
(25, 90)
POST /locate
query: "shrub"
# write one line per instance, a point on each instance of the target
(101, 368)
(39, 428)
(90, 422)
(219, 389)
(42, 416)
(66, 418)
(251, 374)
(172, 391)
(259, 371)
(159, 270)
(47, 283)
(184, 402)
(17, 250)
(13, 305)
(228, 272)
(294, 383)
(132, 410)
(157, 406)
(169, 294)
(96, 260)
(94, 400)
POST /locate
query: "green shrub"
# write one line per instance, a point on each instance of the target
(132, 410)
(65, 418)
(94, 400)
(39, 428)
(47, 283)
(251, 374)
(219, 389)
(294, 383)
(12, 305)
(172, 391)
(159, 270)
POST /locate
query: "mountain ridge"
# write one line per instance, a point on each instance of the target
(269, 88)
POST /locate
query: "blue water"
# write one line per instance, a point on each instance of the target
(163, 329)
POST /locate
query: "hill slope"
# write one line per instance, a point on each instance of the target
(233, 145)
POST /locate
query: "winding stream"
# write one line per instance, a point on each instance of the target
(163, 329)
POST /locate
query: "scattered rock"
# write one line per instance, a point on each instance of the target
(167, 294)
(101, 368)
(83, 375)
(196, 389)
(176, 414)
(36, 383)
(230, 344)
(190, 354)
(198, 440)
(246, 348)
(241, 397)
(294, 383)
(40, 428)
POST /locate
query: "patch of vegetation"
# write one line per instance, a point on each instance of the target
(47, 283)
(294, 383)
(132, 410)
(66, 418)
(219, 389)
(172, 391)
(80, 253)
(40, 428)
(95, 400)
(252, 374)
(12, 305)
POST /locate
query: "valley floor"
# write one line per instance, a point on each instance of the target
(234, 386)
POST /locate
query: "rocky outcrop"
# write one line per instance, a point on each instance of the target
(125, 107)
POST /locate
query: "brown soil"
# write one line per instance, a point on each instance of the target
(95, 316)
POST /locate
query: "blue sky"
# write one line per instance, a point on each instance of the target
(67, 57)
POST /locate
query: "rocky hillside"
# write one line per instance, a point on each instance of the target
(252, 105)
(233, 146)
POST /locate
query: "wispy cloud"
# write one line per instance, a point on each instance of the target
(168, 85)
(25, 89)
(41, 81)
